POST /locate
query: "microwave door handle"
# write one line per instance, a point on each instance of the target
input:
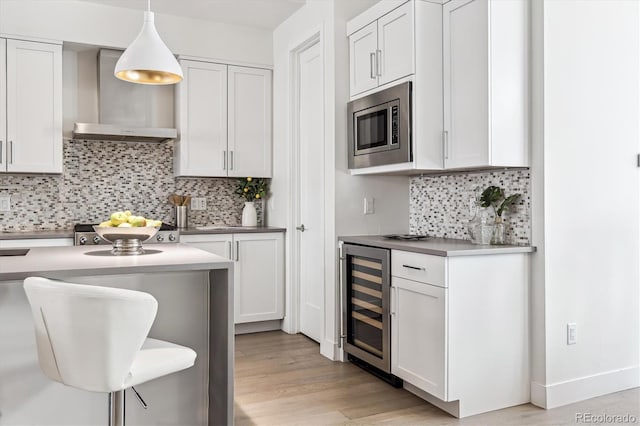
(372, 65)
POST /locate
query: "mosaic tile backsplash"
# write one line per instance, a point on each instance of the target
(439, 204)
(103, 177)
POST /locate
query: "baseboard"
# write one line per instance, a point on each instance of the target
(452, 407)
(258, 327)
(568, 392)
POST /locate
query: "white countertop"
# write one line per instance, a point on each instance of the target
(55, 262)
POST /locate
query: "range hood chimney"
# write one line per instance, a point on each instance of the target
(128, 111)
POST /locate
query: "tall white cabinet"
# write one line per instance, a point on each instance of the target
(485, 87)
(224, 117)
(30, 107)
(258, 271)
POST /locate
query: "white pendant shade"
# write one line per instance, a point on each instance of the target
(148, 60)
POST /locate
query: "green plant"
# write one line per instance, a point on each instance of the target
(252, 189)
(493, 196)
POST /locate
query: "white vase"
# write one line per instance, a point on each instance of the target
(249, 214)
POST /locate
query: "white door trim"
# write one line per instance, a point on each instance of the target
(291, 322)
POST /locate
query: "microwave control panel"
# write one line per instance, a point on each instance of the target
(394, 125)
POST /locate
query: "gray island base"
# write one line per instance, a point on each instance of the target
(195, 309)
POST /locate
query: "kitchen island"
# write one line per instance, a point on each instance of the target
(195, 298)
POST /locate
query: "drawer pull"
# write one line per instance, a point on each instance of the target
(414, 267)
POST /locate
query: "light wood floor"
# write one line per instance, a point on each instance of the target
(282, 379)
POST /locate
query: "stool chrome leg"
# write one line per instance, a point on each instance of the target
(116, 408)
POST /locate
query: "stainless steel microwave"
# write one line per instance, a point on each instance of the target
(379, 128)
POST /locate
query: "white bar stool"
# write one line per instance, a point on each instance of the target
(95, 338)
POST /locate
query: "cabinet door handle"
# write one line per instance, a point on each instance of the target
(372, 65)
(417, 268)
(229, 252)
(445, 144)
(231, 162)
(1, 156)
(379, 63)
(394, 299)
(10, 152)
(224, 160)
(237, 251)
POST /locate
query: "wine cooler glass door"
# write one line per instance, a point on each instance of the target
(366, 299)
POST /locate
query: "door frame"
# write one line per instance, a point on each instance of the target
(291, 322)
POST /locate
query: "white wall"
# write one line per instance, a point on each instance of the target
(89, 23)
(344, 194)
(591, 197)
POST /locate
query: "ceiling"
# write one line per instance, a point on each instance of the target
(265, 14)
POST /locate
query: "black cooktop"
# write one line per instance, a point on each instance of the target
(406, 237)
(83, 227)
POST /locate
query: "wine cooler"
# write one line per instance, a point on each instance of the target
(366, 328)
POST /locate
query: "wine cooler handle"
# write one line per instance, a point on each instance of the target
(394, 299)
(341, 297)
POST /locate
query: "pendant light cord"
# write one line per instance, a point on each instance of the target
(148, 5)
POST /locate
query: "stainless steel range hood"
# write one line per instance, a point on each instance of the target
(128, 112)
(112, 132)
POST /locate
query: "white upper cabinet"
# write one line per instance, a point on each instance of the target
(224, 120)
(249, 122)
(31, 107)
(382, 51)
(3, 105)
(395, 44)
(362, 59)
(485, 88)
(202, 120)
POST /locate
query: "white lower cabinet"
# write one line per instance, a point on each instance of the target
(258, 271)
(459, 329)
(418, 335)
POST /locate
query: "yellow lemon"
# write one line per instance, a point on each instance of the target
(257, 195)
(246, 190)
(249, 179)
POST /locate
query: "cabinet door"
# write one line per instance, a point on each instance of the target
(34, 107)
(249, 122)
(3, 105)
(259, 275)
(202, 120)
(220, 244)
(362, 59)
(395, 44)
(418, 335)
(466, 83)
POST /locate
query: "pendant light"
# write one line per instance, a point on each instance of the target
(148, 60)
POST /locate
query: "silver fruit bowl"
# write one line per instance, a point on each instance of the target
(126, 241)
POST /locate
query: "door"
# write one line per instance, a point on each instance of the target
(202, 120)
(395, 44)
(249, 122)
(3, 105)
(418, 335)
(34, 107)
(362, 59)
(466, 93)
(311, 191)
(259, 277)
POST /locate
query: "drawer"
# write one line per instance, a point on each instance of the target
(419, 267)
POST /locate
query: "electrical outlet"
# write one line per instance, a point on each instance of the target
(572, 333)
(5, 203)
(198, 203)
(369, 205)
